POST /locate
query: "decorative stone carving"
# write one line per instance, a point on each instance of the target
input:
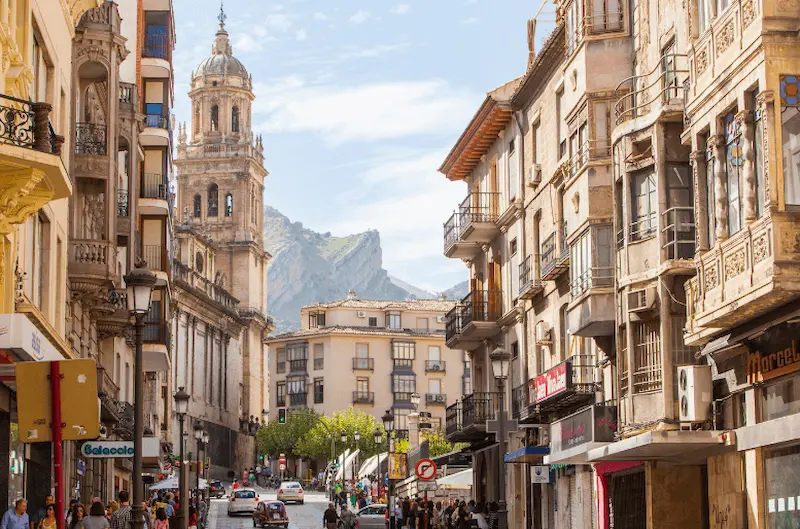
(698, 159)
(763, 101)
(748, 13)
(790, 241)
(760, 248)
(725, 37)
(701, 61)
(717, 146)
(744, 122)
(711, 277)
(735, 263)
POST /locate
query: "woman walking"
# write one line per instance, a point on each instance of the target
(49, 520)
(78, 514)
(97, 517)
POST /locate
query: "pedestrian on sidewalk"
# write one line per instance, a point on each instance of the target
(348, 518)
(161, 519)
(49, 520)
(122, 516)
(330, 518)
(17, 516)
(97, 517)
(77, 516)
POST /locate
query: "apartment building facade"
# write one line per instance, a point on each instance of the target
(221, 320)
(35, 154)
(116, 222)
(658, 277)
(371, 355)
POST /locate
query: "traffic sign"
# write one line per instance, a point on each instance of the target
(427, 486)
(283, 467)
(425, 469)
(282, 459)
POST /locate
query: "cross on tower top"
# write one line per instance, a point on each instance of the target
(222, 16)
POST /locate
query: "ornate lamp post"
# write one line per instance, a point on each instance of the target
(388, 425)
(198, 435)
(499, 358)
(343, 439)
(357, 437)
(139, 286)
(181, 408)
(206, 439)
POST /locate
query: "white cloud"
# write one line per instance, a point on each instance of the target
(368, 112)
(360, 17)
(374, 51)
(320, 16)
(247, 44)
(470, 20)
(401, 9)
(278, 21)
(301, 34)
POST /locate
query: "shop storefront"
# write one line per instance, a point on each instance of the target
(25, 469)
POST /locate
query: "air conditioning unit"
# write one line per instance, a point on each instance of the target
(694, 393)
(535, 175)
(361, 314)
(439, 319)
(543, 333)
(642, 300)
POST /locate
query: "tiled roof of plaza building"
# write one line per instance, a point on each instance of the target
(420, 305)
(345, 330)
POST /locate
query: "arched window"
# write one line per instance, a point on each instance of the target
(214, 117)
(197, 202)
(198, 262)
(235, 119)
(228, 205)
(213, 200)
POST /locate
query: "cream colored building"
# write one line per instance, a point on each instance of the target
(372, 355)
(35, 95)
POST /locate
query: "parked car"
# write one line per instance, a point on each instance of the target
(242, 501)
(216, 489)
(372, 517)
(271, 514)
(291, 491)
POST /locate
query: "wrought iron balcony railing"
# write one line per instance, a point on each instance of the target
(679, 232)
(90, 139)
(479, 207)
(481, 305)
(299, 365)
(435, 399)
(478, 408)
(363, 364)
(298, 399)
(435, 366)
(154, 185)
(660, 84)
(26, 124)
(123, 206)
(363, 397)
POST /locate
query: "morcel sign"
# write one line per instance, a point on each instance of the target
(553, 382)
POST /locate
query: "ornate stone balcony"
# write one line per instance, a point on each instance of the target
(752, 272)
(92, 265)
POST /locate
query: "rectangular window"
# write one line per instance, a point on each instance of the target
(591, 260)
(422, 324)
(296, 385)
(362, 350)
(702, 15)
(280, 356)
(319, 391)
(733, 165)
(646, 356)
(373, 322)
(780, 399)
(404, 384)
(790, 118)
(512, 247)
(403, 350)
(319, 356)
(782, 485)
(669, 72)
(316, 319)
(42, 260)
(280, 393)
(515, 350)
(536, 142)
(562, 322)
(362, 385)
(622, 363)
(513, 180)
(434, 353)
(401, 419)
(645, 205)
(434, 386)
(561, 126)
(393, 320)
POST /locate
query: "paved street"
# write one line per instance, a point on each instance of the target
(308, 516)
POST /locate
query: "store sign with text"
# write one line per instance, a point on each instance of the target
(595, 424)
(554, 382)
(780, 359)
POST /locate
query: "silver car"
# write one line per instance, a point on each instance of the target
(372, 517)
(291, 491)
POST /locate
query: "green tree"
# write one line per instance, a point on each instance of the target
(437, 444)
(275, 438)
(317, 442)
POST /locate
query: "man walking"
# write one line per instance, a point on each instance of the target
(17, 516)
(329, 518)
(122, 516)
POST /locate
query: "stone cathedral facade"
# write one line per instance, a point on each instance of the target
(220, 263)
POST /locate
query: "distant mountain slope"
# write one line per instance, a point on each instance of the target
(458, 291)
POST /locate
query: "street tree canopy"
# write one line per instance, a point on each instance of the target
(318, 441)
(437, 444)
(275, 438)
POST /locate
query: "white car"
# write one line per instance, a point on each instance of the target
(242, 501)
(291, 491)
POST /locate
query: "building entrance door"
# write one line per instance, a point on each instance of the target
(627, 504)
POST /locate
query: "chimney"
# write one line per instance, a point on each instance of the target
(351, 294)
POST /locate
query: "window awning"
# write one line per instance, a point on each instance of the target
(529, 454)
(459, 480)
(685, 447)
(578, 455)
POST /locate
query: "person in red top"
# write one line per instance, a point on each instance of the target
(235, 485)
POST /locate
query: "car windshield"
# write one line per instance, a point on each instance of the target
(216, 485)
(293, 485)
(246, 494)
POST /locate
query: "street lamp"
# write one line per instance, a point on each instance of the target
(139, 285)
(377, 436)
(343, 437)
(198, 435)
(357, 437)
(181, 408)
(415, 400)
(388, 425)
(499, 358)
(206, 439)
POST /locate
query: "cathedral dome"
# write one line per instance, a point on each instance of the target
(221, 61)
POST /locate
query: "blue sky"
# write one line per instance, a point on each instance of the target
(359, 102)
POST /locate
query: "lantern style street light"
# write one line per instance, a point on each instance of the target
(499, 358)
(198, 436)
(181, 409)
(388, 425)
(139, 285)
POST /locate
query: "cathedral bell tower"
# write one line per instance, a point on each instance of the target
(220, 166)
